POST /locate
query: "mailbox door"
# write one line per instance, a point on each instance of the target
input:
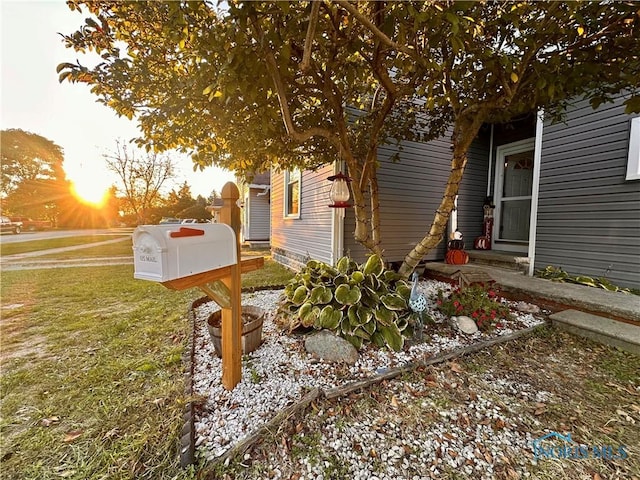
(149, 257)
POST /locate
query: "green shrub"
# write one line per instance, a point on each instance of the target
(361, 303)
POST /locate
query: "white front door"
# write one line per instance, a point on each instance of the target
(513, 187)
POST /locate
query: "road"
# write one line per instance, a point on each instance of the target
(48, 234)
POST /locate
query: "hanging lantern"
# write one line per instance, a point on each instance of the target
(339, 194)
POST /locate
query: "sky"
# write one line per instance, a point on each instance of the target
(32, 99)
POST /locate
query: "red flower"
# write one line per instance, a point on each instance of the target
(492, 294)
(456, 303)
(439, 302)
(460, 308)
(475, 314)
(498, 325)
(493, 314)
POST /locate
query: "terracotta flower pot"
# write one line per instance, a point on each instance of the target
(252, 320)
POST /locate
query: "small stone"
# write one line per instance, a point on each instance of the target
(527, 307)
(466, 324)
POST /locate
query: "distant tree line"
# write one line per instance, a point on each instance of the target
(33, 184)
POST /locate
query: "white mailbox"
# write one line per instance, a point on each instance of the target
(166, 252)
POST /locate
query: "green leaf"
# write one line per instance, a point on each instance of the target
(309, 316)
(369, 298)
(320, 295)
(300, 295)
(343, 265)
(360, 332)
(370, 327)
(394, 302)
(346, 295)
(353, 340)
(583, 280)
(352, 314)
(403, 290)
(340, 280)
(345, 326)
(313, 264)
(385, 316)
(632, 105)
(357, 277)
(364, 314)
(378, 339)
(392, 337)
(391, 276)
(402, 324)
(374, 266)
(330, 317)
(304, 310)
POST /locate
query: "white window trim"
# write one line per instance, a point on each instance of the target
(633, 162)
(287, 181)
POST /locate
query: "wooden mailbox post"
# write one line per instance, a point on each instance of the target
(223, 285)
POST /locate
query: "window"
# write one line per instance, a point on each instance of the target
(633, 163)
(292, 193)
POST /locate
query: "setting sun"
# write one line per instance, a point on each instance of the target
(90, 186)
(90, 193)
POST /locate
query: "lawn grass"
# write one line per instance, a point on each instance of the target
(118, 249)
(92, 379)
(36, 245)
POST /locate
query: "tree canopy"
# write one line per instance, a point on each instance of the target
(28, 156)
(33, 180)
(284, 84)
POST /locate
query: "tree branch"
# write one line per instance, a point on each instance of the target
(272, 66)
(375, 30)
(311, 30)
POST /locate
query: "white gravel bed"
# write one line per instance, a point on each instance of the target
(280, 372)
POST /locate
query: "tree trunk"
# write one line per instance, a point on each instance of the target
(463, 135)
(367, 218)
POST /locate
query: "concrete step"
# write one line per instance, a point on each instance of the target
(601, 329)
(498, 259)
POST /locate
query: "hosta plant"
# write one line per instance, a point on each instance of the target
(557, 274)
(361, 303)
(480, 302)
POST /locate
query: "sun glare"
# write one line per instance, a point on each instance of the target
(90, 193)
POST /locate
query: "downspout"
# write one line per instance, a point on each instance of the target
(337, 224)
(489, 176)
(533, 220)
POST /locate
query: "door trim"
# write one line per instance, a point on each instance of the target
(535, 193)
(501, 152)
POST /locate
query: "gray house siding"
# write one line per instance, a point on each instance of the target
(295, 240)
(473, 191)
(588, 216)
(259, 225)
(411, 190)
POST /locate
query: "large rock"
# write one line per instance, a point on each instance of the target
(328, 346)
(465, 324)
